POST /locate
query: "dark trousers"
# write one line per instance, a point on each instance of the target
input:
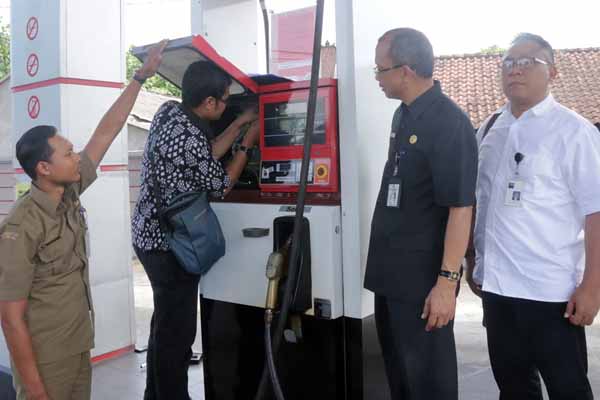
(527, 338)
(173, 326)
(420, 365)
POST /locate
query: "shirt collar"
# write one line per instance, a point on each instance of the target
(198, 122)
(421, 103)
(44, 201)
(544, 106)
(539, 109)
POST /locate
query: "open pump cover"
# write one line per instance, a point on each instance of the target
(180, 53)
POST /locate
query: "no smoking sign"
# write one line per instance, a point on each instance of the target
(33, 27)
(33, 65)
(33, 107)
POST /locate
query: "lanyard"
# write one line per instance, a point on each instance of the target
(399, 155)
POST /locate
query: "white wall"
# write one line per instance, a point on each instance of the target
(150, 21)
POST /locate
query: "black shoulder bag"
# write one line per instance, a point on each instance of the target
(191, 227)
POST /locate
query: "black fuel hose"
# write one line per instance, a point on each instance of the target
(301, 199)
(270, 359)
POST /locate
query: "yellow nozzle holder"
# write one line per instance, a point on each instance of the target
(273, 273)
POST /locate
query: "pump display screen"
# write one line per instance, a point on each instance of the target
(285, 123)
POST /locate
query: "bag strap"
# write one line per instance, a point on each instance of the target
(471, 246)
(155, 189)
(490, 124)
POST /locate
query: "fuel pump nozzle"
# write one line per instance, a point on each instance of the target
(276, 265)
(274, 273)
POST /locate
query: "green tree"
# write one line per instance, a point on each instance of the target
(495, 49)
(155, 84)
(4, 49)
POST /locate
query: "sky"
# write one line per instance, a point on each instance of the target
(453, 26)
(151, 20)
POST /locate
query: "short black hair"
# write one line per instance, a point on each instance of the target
(202, 80)
(537, 39)
(412, 48)
(33, 147)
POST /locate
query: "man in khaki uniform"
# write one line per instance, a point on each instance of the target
(45, 301)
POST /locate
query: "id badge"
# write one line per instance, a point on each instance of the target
(514, 193)
(394, 194)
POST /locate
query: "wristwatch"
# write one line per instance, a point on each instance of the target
(139, 78)
(450, 275)
(244, 149)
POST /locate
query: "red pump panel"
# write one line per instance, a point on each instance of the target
(283, 120)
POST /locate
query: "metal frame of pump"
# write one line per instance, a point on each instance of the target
(273, 345)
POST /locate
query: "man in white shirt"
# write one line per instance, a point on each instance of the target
(538, 192)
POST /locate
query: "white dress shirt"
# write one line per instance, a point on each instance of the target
(536, 250)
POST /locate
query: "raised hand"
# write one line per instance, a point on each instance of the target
(153, 60)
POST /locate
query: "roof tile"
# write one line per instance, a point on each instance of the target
(473, 81)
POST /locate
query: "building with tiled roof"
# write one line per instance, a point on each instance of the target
(473, 81)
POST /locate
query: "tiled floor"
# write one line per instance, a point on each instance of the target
(123, 379)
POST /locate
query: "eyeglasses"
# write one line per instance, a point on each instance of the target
(378, 70)
(523, 63)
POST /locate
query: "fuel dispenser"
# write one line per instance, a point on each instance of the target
(315, 360)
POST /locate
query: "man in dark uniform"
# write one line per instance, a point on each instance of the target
(421, 223)
(45, 301)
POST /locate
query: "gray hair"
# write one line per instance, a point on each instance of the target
(412, 48)
(538, 40)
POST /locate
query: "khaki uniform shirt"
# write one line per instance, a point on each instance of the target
(43, 259)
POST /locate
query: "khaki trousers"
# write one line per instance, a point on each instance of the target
(67, 379)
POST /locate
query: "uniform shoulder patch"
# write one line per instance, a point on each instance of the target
(9, 236)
